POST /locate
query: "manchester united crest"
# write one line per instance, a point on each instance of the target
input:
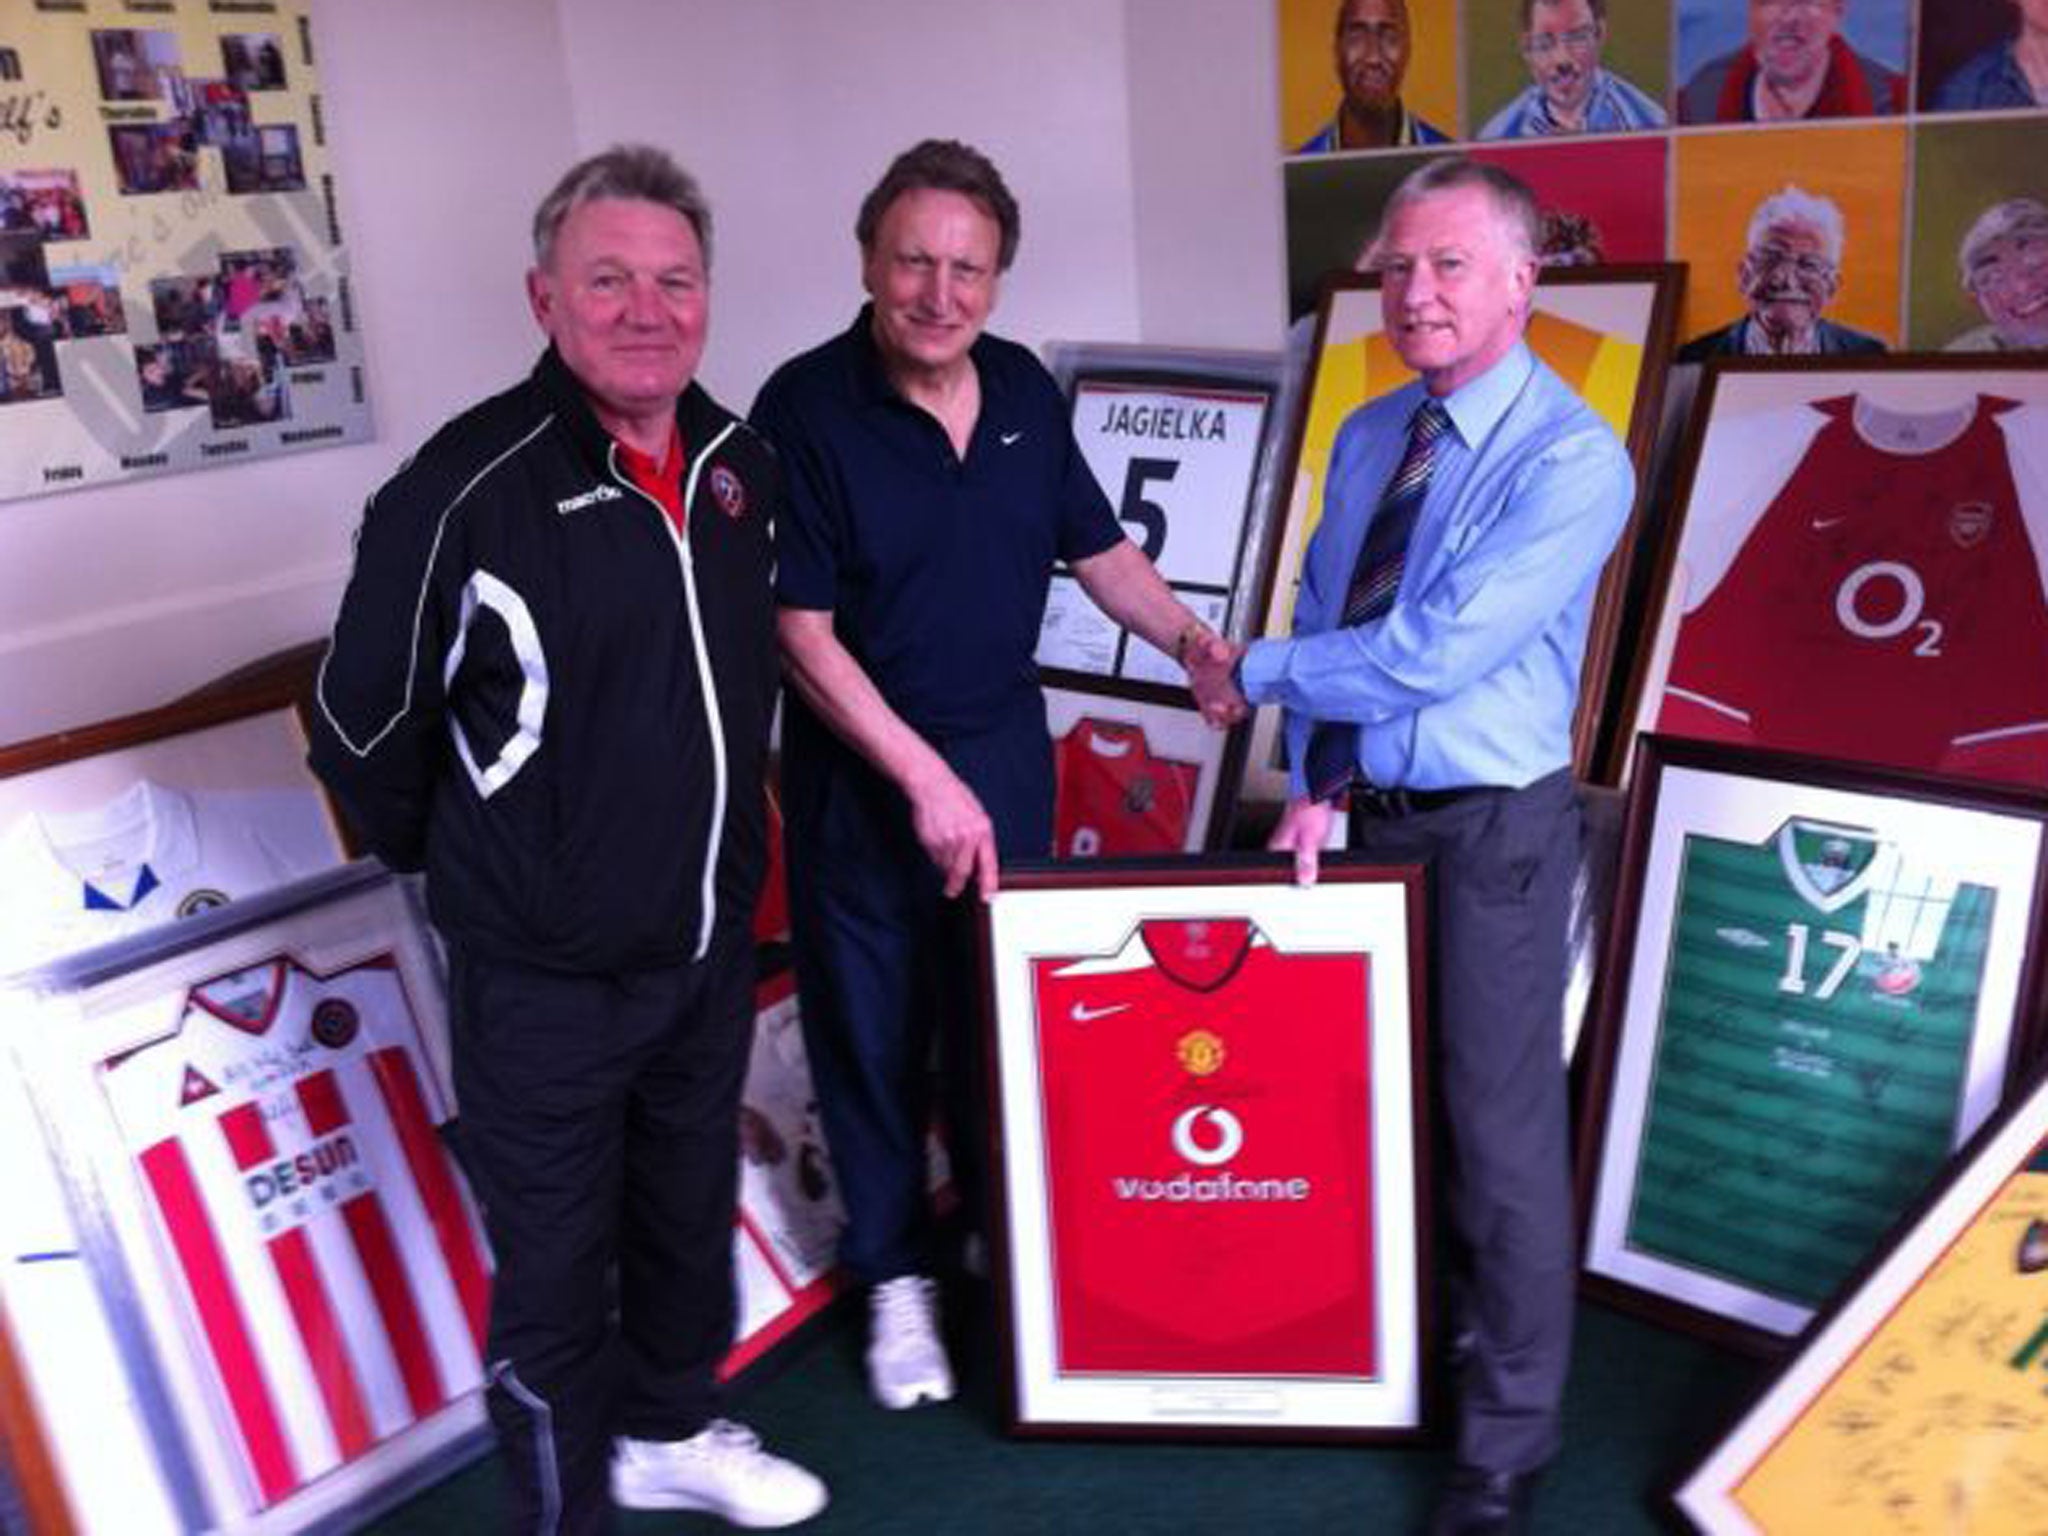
(1200, 1051)
(334, 1023)
(1969, 522)
(727, 491)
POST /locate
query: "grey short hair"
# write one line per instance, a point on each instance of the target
(2014, 216)
(1513, 203)
(1794, 206)
(944, 165)
(637, 172)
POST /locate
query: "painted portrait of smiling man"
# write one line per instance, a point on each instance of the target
(1791, 268)
(1789, 60)
(1573, 88)
(2004, 268)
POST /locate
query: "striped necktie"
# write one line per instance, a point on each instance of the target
(1331, 764)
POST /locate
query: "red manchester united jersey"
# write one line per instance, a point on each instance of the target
(1206, 1144)
(1880, 607)
(1115, 797)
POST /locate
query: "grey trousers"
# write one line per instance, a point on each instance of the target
(1501, 866)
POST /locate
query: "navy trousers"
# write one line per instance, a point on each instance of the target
(886, 973)
(1501, 867)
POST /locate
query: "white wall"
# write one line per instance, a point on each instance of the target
(444, 130)
(789, 111)
(1205, 102)
(1138, 137)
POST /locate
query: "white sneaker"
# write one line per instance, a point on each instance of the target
(906, 1362)
(722, 1470)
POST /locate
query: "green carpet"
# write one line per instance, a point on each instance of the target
(1642, 1402)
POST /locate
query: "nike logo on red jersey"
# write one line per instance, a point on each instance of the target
(1082, 1013)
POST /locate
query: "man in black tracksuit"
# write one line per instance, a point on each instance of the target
(550, 686)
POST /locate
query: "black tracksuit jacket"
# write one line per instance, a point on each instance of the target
(542, 695)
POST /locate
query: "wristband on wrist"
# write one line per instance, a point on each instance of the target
(1187, 637)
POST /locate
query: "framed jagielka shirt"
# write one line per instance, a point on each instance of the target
(1857, 565)
(1209, 1132)
(1817, 984)
(1181, 442)
(1917, 1403)
(245, 1109)
(1138, 772)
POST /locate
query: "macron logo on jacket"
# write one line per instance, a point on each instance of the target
(590, 498)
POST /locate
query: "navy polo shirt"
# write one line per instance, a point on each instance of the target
(934, 567)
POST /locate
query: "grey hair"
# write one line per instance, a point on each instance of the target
(1513, 202)
(1793, 206)
(637, 172)
(2016, 215)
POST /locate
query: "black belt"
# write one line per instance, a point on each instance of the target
(1379, 804)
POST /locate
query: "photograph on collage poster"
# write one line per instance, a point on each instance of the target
(177, 195)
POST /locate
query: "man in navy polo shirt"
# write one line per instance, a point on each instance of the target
(933, 482)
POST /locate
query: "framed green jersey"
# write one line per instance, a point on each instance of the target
(1816, 987)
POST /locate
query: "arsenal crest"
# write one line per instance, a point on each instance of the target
(1968, 522)
(727, 491)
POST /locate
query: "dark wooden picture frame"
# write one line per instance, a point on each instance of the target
(1216, 1109)
(1820, 979)
(1848, 611)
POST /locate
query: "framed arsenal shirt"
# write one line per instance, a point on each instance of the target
(1209, 1129)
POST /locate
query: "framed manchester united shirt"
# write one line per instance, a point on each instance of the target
(1819, 981)
(1210, 1129)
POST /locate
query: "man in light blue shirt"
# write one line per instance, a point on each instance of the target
(1450, 707)
(1571, 93)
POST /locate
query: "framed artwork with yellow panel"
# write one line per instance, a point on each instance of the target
(1605, 330)
(1916, 1404)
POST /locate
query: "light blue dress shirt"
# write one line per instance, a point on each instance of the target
(1472, 676)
